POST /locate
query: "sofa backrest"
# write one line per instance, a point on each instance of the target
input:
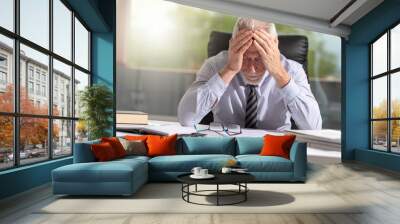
(249, 145)
(191, 146)
(206, 145)
(83, 152)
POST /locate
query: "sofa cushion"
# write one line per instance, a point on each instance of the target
(136, 137)
(103, 152)
(116, 145)
(161, 145)
(249, 145)
(185, 163)
(112, 171)
(130, 158)
(207, 145)
(134, 147)
(257, 163)
(277, 145)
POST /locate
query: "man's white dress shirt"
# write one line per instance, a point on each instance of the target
(228, 102)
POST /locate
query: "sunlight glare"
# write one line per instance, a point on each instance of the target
(153, 21)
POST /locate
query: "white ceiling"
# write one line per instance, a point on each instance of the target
(319, 9)
(315, 15)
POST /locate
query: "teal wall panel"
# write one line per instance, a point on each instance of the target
(356, 102)
(103, 58)
(91, 14)
(103, 53)
(380, 159)
(24, 178)
(103, 62)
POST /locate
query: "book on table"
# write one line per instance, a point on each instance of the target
(132, 117)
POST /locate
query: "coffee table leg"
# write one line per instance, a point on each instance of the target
(182, 190)
(217, 194)
(245, 193)
(185, 187)
(188, 189)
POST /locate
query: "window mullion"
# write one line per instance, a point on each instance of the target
(16, 84)
(371, 142)
(73, 82)
(389, 105)
(50, 81)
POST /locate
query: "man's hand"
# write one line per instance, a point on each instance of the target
(237, 46)
(267, 46)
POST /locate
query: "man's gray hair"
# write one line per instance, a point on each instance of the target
(243, 23)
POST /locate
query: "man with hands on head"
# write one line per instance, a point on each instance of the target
(252, 84)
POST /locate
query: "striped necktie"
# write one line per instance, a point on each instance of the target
(251, 107)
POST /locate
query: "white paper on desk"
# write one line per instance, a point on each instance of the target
(168, 129)
(257, 133)
(245, 133)
(324, 134)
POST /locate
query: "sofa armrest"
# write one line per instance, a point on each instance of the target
(83, 152)
(298, 155)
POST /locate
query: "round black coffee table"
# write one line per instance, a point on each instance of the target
(238, 179)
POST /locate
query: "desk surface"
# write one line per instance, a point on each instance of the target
(170, 127)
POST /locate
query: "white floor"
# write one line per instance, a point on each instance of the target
(378, 190)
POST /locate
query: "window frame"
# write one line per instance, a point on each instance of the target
(5, 58)
(16, 114)
(3, 74)
(388, 74)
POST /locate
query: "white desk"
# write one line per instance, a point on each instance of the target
(325, 136)
(168, 127)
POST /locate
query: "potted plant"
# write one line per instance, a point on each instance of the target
(96, 103)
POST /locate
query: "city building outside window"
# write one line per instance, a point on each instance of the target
(43, 77)
(38, 89)
(43, 90)
(37, 74)
(3, 61)
(30, 87)
(3, 72)
(30, 72)
(3, 78)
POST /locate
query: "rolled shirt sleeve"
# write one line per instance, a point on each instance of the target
(217, 85)
(202, 95)
(290, 91)
(299, 99)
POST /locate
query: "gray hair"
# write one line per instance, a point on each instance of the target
(242, 23)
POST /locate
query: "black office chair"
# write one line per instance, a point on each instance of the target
(294, 47)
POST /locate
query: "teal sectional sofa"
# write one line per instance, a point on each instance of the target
(125, 176)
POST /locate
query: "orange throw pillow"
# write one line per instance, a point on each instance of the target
(116, 145)
(277, 145)
(136, 137)
(103, 152)
(161, 145)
